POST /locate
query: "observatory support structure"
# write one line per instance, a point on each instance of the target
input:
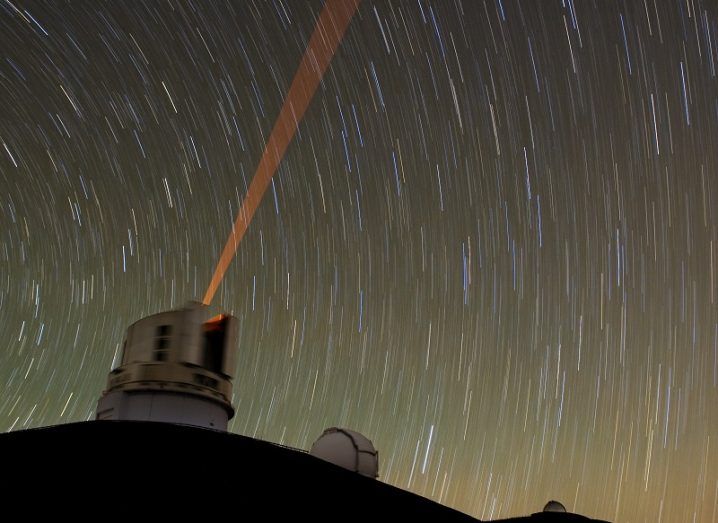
(175, 368)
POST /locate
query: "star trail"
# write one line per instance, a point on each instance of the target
(491, 245)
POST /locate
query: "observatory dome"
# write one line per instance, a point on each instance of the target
(554, 506)
(176, 367)
(348, 449)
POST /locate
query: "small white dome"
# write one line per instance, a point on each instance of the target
(348, 449)
(554, 506)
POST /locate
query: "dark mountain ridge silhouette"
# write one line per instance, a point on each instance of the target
(166, 470)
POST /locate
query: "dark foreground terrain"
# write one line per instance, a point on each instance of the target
(103, 470)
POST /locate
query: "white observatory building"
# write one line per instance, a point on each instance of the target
(176, 367)
(347, 449)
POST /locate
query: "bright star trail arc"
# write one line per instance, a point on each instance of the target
(491, 245)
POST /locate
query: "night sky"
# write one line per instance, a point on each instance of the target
(492, 246)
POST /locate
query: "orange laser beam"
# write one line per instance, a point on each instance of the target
(328, 33)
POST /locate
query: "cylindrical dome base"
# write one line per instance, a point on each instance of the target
(169, 407)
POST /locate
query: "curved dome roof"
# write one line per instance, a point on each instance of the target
(554, 506)
(348, 449)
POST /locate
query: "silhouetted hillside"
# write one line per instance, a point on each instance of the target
(170, 470)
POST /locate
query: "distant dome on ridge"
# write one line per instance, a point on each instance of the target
(554, 506)
(348, 449)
